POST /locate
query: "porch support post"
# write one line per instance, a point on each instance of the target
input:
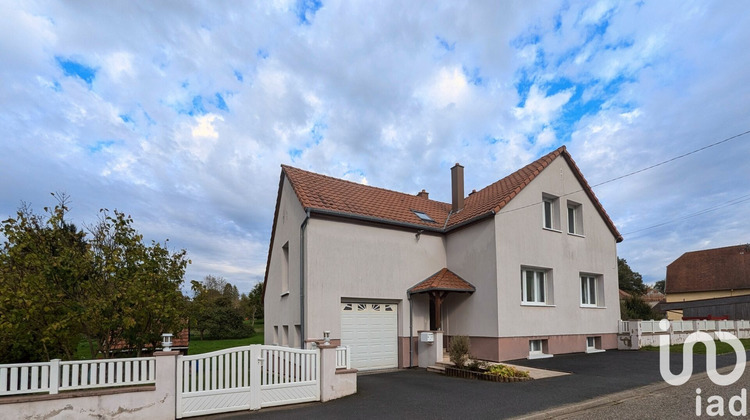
(437, 298)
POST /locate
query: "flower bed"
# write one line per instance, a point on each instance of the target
(470, 374)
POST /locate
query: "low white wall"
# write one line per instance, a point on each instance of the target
(151, 402)
(334, 383)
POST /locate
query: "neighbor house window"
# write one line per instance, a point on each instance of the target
(535, 286)
(285, 269)
(591, 290)
(575, 218)
(551, 212)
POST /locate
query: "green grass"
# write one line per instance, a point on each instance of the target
(700, 348)
(198, 346)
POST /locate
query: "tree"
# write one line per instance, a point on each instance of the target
(659, 286)
(56, 284)
(215, 310)
(43, 264)
(134, 295)
(629, 280)
(634, 307)
(252, 303)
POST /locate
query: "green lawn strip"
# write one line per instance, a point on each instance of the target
(700, 348)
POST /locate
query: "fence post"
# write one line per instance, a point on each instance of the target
(54, 376)
(348, 357)
(257, 366)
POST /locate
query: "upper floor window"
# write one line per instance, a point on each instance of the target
(285, 269)
(551, 212)
(535, 286)
(575, 218)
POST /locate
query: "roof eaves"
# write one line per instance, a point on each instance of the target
(273, 231)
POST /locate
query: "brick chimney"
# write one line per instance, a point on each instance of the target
(423, 194)
(457, 187)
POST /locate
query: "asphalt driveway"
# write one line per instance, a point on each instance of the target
(417, 393)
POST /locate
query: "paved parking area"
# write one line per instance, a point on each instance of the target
(419, 394)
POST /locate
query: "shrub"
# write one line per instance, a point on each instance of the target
(476, 365)
(507, 371)
(458, 350)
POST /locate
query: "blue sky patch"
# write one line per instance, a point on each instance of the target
(126, 118)
(295, 153)
(100, 145)
(472, 76)
(56, 86)
(262, 53)
(238, 75)
(316, 133)
(444, 44)
(219, 102)
(75, 69)
(306, 9)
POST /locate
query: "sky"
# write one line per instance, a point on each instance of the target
(181, 113)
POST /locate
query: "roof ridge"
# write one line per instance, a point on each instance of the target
(360, 184)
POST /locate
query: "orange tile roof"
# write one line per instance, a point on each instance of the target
(346, 198)
(327, 195)
(725, 268)
(444, 280)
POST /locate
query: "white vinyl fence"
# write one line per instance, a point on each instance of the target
(634, 334)
(343, 358)
(55, 376)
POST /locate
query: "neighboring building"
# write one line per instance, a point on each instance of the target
(525, 267)
(700, 283)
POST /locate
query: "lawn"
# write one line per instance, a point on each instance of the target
(700, 348)
(198, 346)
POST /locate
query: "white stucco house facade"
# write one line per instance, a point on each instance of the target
(526, 267)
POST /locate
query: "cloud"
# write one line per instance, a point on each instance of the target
(182, 115)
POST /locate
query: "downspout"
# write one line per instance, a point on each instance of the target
(411, 333)
(302, 279)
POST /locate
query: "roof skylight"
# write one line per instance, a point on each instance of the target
(423, 216)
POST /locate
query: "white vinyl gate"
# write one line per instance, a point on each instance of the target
(246, 378)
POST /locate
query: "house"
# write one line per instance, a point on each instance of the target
(525, 267)
(711, 282)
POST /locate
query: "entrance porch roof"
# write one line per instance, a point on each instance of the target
(444, 280)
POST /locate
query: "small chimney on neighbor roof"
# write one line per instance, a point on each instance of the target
(423, 194)
(457, 187)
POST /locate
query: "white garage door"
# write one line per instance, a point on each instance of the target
(370, 329)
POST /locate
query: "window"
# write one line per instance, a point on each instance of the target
(575, 218)
(590, 343)
(591, 288)
(551, 212)
(423, 216)
(594, 344)
(535, 286)
(285, 337)
(285, 270)
(276, 335)
(298, 336)
(538, 349)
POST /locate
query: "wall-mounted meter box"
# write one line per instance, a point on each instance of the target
(427, 337)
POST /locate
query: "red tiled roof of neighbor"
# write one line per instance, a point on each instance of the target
(623, 294)
(725, 268)
(445, 280)
(346, 198)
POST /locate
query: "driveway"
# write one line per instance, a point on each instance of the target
(417, 393)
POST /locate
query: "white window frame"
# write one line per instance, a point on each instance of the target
(551, 208)
(586, 299)
(575, 224)
(541, 286)
(540, 353)
(597, 347)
